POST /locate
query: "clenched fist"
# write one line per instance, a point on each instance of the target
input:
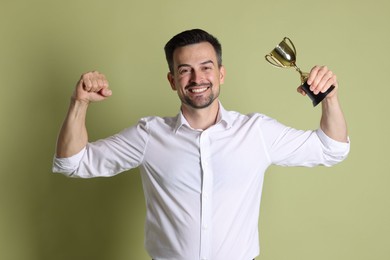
(92, 87)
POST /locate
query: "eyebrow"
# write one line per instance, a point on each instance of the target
(202, 63)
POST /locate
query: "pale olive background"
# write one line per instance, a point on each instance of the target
(338, 213)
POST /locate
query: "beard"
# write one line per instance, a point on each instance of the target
(201, 101)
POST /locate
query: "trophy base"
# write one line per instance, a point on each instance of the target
(316, 99)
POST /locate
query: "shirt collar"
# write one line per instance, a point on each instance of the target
(223, 117)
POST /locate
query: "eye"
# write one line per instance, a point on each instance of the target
(183, 71)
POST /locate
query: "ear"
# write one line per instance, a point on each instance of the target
(171, 80)
(222, 73)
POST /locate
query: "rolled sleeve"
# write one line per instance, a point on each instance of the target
(334, 151)
(107, 157)
(67, 165)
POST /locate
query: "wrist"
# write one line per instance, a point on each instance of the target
(79, 102)
(78, 108)
(331, 98)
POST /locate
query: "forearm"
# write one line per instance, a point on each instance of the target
(73, 135)
(332, 121)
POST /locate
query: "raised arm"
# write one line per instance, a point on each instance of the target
(332, 120)
(73, 136)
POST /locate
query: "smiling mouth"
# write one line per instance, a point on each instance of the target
(198, 90)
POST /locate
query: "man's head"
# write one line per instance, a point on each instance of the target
(191, 37)
(196, 72)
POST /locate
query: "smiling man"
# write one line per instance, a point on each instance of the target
(202, 170)
(196, 73)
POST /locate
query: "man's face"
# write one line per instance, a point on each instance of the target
(196, 76)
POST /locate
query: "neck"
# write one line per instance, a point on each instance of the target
(201, 118)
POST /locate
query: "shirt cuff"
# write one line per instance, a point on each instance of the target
(69, 164)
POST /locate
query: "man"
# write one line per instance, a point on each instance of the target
(202, 171)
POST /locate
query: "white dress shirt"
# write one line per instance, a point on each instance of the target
(203, 188)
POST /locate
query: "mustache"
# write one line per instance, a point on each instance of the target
(194, 84)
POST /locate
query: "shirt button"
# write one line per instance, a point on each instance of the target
(205, 227)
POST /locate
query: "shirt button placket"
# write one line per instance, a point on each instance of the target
(206, 207)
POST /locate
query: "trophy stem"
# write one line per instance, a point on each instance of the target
(304, 75)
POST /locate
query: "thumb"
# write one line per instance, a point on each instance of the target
(106, 92)
(301, 91)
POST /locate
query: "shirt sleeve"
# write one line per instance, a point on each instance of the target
(67, 165)
(107, 157)
(334, 151)
(291, 147)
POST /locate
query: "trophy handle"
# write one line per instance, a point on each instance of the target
(286, 39)
(273, 61)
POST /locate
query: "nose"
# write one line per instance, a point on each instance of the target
(196, 76)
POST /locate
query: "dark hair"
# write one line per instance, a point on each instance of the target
(191, 37)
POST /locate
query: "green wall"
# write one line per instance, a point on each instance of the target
(337, 213)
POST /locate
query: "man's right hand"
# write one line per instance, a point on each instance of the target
(92, 87)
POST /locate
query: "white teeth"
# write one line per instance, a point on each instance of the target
(198, 90)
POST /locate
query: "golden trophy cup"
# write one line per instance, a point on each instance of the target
(284, 56)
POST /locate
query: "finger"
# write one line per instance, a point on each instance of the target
(95, 85)
(312, 75)
(321, 81)
(317, 81)
(103, 86)
(95, 79)
(102, 81)
(328, 80)
(86, 84)
(301, 91)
